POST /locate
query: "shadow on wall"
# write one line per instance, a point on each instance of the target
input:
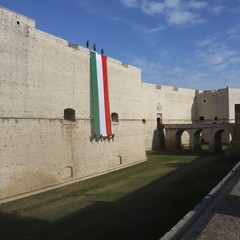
(158, 141)
(194, 111)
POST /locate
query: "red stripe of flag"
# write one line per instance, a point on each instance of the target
(106, 96)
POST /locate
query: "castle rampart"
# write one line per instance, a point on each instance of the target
(42, 79)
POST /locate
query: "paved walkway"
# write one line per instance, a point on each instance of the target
(217, 217)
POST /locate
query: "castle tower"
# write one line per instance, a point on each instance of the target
(234, 147)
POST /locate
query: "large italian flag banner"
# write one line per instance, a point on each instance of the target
(100, 97)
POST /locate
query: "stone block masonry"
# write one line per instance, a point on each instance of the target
(41, 76)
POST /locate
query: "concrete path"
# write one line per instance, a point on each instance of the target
(217, 217)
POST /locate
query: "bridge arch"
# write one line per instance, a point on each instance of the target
(218, 138)
(213, 135)
(182, 139)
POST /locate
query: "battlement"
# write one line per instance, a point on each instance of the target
(218, 90)
(173, 89)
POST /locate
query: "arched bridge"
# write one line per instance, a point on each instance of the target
(213, 133)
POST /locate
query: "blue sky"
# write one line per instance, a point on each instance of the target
(193, 44)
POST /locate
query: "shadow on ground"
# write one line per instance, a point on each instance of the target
(146, 213)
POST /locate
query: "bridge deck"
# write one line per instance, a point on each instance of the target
(198, 126)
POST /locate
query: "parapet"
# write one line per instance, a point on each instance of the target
(174, 89)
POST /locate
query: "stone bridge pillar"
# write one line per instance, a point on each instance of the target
(211, 141)
(170, 141)
(195, 143)
(173, 139)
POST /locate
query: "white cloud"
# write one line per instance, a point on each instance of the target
(219, 57)
(197, 4)
(174, 11)
(156, 29)
(207, 41)
(234, 32)
(214, 53)
(234, 60)
(179, 5)
(217, 9)
(161, 73)
(181, 17)
(152, 8)
(177, 70)
(173, 4)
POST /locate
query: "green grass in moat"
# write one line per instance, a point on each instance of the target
(140, 202)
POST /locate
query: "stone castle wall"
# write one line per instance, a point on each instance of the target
(40, 77)
(171, 105)
(234, 98)
(213, 106)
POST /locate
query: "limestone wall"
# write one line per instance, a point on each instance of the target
(234, 98)
(217, 107)
(172, 105)
(41, 76)
(213, 106)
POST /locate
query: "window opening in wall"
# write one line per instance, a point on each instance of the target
(18, 22)
(143, 120)
(69, 114)
(114, 117)
(201, 118)
(204, 100)
(216, 118)
(159, 121)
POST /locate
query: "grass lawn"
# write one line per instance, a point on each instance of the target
(140, 202)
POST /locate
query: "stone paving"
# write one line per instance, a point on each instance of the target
(217, 217)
